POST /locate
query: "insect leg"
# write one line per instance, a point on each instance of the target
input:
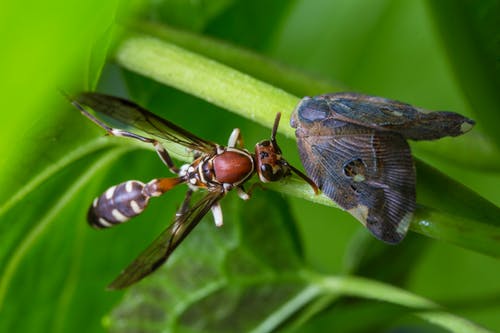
(165, 157)
(235, 139)
(160, 150)
(185, 204)
(242, 193)
(217, 213)
(245, 195)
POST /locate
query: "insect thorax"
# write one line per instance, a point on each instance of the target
(228, 168)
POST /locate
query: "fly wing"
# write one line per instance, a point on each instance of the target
(385, 114)
(366, 172)
(158, 252)
(130, 116)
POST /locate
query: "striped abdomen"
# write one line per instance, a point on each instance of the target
(118, 204)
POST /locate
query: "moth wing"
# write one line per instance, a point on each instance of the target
(366, 172)
(387, 114)
(163, 246)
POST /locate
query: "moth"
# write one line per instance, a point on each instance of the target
(354, 147)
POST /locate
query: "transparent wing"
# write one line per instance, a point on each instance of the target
(161, 248)
(130, 116)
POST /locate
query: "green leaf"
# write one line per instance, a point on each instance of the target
(245, 16)
(47, 163)
(219, 273)
(233, 279)
(193, 15)
(469, 31)
(366, 256)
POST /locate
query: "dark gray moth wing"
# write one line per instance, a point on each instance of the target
(130, 116)
(158, 252)
(369, 173)
(386, 114)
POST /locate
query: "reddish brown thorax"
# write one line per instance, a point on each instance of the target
(233, 166)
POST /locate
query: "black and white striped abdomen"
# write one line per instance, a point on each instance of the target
(118, 204)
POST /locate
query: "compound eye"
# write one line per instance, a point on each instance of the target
(269, 174)
(266, 170)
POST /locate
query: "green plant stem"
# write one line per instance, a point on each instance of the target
(259, 101)
(370, 289)
(206, 79)
(240, 59)
(272, 322)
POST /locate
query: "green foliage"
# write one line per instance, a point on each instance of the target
(279, 262)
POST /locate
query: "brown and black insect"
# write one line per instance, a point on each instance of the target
(354, 148)
(215, 168)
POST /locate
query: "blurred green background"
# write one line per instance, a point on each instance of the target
(53, 268)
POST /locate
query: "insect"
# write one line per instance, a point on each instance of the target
(354, 148)
(215, 168)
